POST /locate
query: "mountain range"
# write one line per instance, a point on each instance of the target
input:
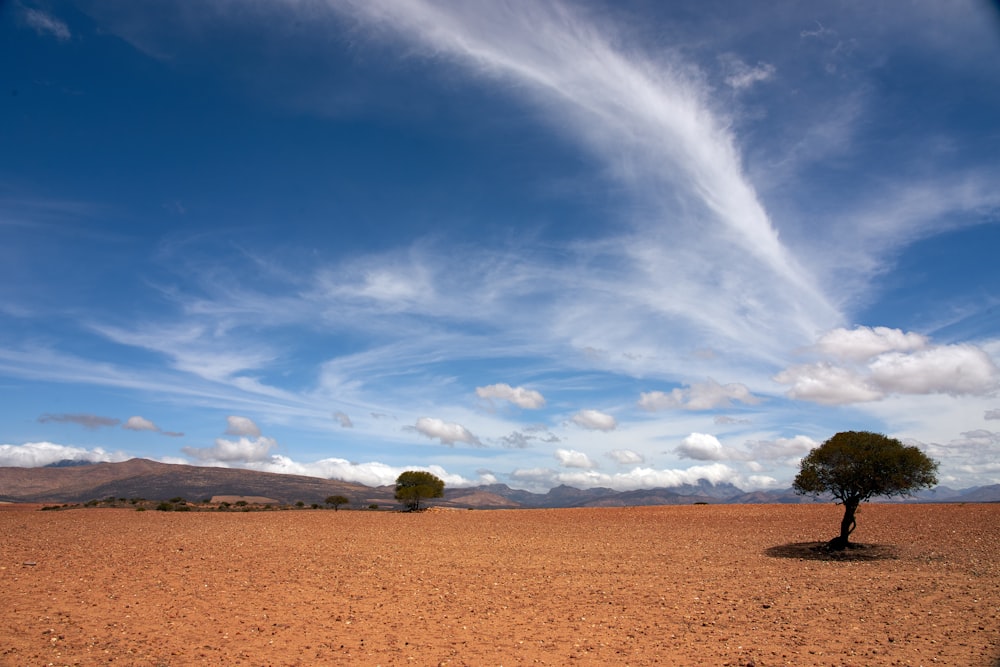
(70, 482)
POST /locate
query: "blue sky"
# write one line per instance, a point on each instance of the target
(630, 244)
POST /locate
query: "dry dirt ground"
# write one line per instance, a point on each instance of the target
(691, 585)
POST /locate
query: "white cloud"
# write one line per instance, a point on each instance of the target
(140, 424)
(372, 473)
(595, 420)
(827, 384)
(898, 364)
(992, 414)
(448, 433)
(782, 448)
(245, 426)
(706, 395)
(702, 447)
(44, 24)
(343, 419)
(243, 450)
(626, 456)
(519, 396)
(570, 458)
(948, 369)
(36, 454)
(863, 343)
(741, 76)
(636, 478)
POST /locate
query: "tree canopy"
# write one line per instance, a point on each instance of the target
(855, 466)
(413, 486)
(337, 501)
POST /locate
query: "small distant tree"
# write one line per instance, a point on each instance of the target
(855, 466)
(337, 501)
(413, 486)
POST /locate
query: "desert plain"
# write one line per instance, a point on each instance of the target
(677, 585)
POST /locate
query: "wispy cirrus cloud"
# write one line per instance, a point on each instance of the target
(45, 24)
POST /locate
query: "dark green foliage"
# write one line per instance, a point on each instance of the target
(165, 507)
(855, 466)
(413, 486)
(337, 501)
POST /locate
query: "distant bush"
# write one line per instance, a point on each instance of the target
(178, 500)
(165, 507)
(300, 504)
(140, 509)
(241, 503)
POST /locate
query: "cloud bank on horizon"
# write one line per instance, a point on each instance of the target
(536, 243)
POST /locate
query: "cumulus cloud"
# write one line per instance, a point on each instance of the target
(863, 343)
(241, 426)
(889, 361)
(343, 419)
(447, 432)
(139, 424)
(948, 369)
(595, 420)
(372, 473)
(626, 456)
(243, 450)
(519, 396)
(701, 447)
(570, 458)
(89, 422)
(36, 454)
(706, 395)
(636, 478)
(825, 383)
(45, 24)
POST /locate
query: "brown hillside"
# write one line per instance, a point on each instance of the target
(141, 478)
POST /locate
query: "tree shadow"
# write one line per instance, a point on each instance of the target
(820, 551)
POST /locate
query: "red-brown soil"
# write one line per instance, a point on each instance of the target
(691, 585)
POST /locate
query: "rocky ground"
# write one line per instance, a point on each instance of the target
(690, 585)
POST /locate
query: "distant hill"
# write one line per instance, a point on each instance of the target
(141, 478)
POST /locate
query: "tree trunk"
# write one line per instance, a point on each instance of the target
(847, 525)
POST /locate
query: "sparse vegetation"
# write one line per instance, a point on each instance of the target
(413, 486)
(855, 466)
(165, 507)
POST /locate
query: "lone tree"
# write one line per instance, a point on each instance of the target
(414, 485)
(337, 501)
(855, 466)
